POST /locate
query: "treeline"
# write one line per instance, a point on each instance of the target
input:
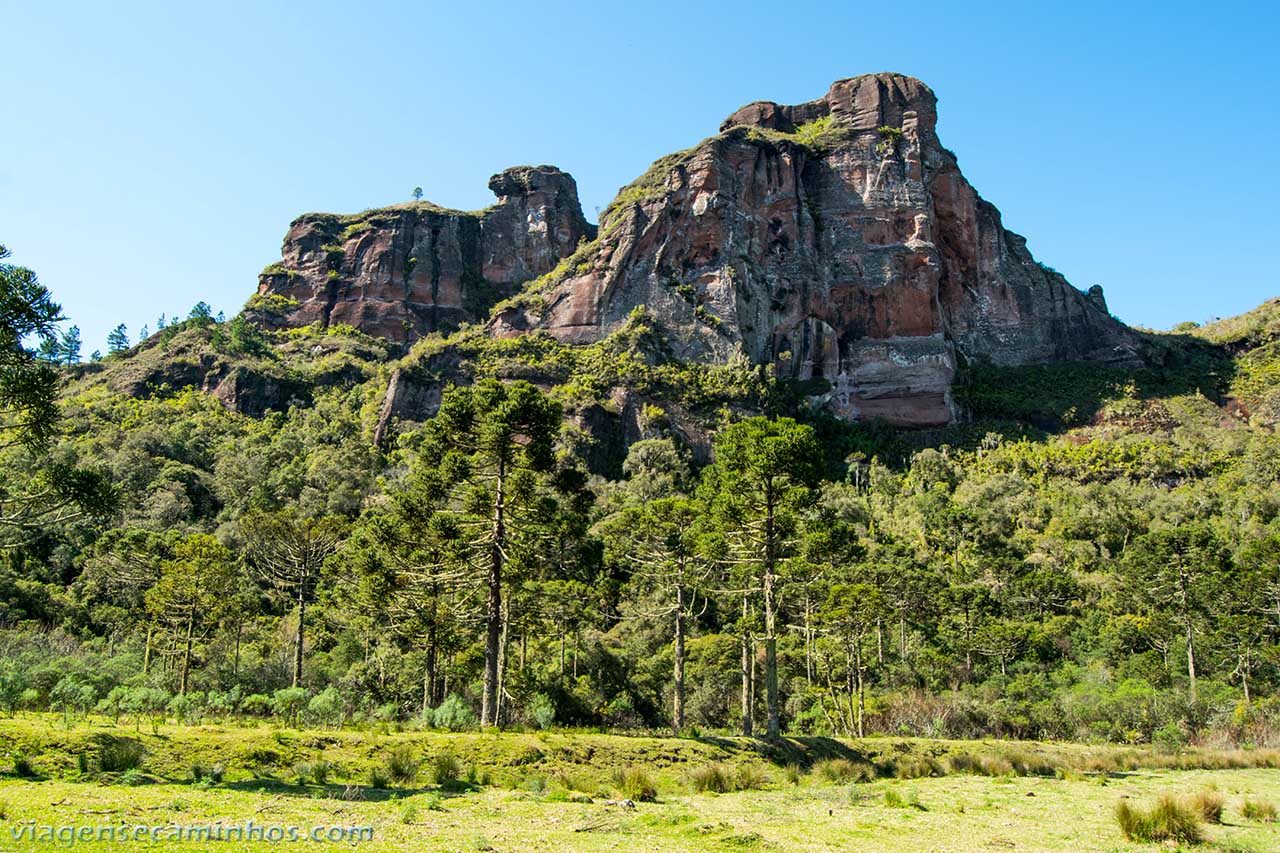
(1122, 589)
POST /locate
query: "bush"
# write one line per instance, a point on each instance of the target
(402, 765)
(256, 705)
(187, 707)
(446, 769)
(1258, 810)
(22, 767)
(1208, 804)
(326, 708)
(453, 714)
(543, 710)
(288, 703)
(211, 773)
(120, 754)
(711, 778)
(1168, 738)
(794, 773)
(897, 800)
(916, 768)
(378, 778)
(312, 771)
(751, 777)
(841, 770)
(1167, 820)
(636, 783)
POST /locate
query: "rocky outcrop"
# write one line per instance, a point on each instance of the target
(835, 239)
(400, 272)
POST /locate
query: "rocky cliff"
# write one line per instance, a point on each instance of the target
(835, 239)
(400, 272)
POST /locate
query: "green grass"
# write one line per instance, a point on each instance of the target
(560, 791)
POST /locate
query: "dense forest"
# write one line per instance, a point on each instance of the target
(1090, 554)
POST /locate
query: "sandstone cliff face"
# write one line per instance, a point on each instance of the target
(403, 271)
(835, 239)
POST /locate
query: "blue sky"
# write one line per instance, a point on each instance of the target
(154, 154)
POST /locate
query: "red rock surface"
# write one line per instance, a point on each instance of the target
(834, 239)
(402, 271)
(851, 249)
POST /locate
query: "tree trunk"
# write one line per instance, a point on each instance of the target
(773, 726)
(186, 655)
(493, 607)
(746, 671)
(504, 647)
(862, 696)
(146, 652)
(808, 640)
(1191, 660)
(677, 699)
(298, 638)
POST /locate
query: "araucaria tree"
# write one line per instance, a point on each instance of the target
(192, 596)
(47, 493)
(663, 544)
(764, 474)
(484, 457)
(288, 551)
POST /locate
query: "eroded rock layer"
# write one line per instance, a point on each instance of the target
(835, 239)
(403, 271)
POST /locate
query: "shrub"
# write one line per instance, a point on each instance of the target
(1258, 810)
(894, 799)
(408, 813)
(636, 783)
(211, 773)
(1208, 804)
(133, 776)
(916, 768)
(402, 765)
(712, 778)
(1168, 738)
(313, 771)
(543, 710)
(378, 778)
(453, 714)
(288, 703)
(256, 705)
(22, 767)
(751, 777)
(326, 708)
(794, 773)
(840, 770)
(187, 707)
(120, 754)
(1028, 764)
(1167, 820)
(446, 769)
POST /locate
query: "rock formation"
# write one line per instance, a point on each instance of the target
(835, 239)
(400, 272)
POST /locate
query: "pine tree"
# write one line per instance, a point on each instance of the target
(69, 346)
(118, 339)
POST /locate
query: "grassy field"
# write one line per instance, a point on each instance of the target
(563, 792)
